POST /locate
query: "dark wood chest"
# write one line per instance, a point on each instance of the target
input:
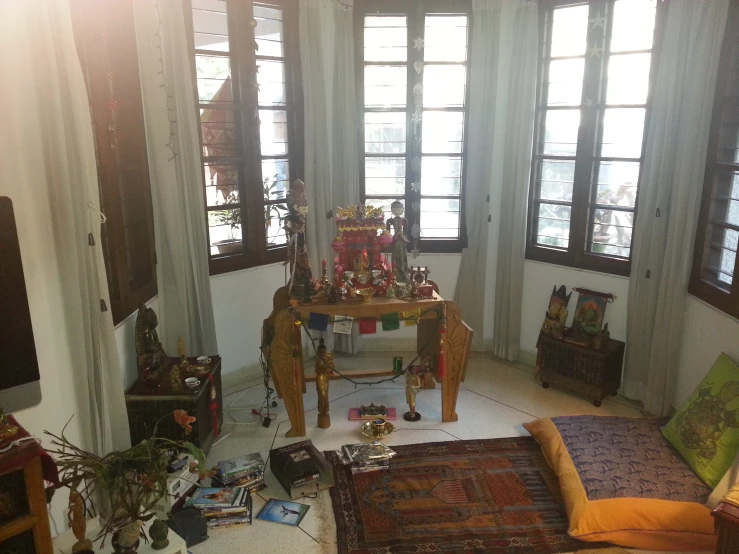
(149, 404)
(592, 373)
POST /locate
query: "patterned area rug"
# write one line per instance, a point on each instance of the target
(491, 496)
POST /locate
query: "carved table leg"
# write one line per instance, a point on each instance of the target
(286, 370)
(456, 346)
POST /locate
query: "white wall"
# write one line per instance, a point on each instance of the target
(241, 302)
(706, 333)
(538, 280)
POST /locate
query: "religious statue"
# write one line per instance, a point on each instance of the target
(301, 284)
(76, 520)
(324, 368)
(399, 225)
(556, 316)
(150, 356)
(412, 384)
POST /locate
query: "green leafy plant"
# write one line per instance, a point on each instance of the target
(271, 192)
(133, 480)
(230, 217)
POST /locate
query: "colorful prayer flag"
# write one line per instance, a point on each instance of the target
(367, 326)
(343, 325)
(411, 317)
(317, 322)
(390, 322)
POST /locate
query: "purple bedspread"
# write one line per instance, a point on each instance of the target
(623, 457)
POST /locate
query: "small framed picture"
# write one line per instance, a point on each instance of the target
(282, 511)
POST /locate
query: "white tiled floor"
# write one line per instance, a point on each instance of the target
(494, 401)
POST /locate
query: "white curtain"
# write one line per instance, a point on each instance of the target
(183, 277)
(669, 198)
(504, 51)
(326, 31)
(48, 153)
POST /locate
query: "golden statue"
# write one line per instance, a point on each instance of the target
(324, 369)
(76, 520)
(412, 384)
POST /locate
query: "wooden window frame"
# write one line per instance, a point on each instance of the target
(105, 37)
(725, 298)
(415, 11)
(590, 136)
(243, 59)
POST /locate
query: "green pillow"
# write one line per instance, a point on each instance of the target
(705, 430)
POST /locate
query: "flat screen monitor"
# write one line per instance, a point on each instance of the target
(19, 371)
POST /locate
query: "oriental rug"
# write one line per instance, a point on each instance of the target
(475, 496)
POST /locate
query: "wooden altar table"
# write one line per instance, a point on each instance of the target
(283, 346)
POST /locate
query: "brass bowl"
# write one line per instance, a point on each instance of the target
(366, 294)
(377, 428)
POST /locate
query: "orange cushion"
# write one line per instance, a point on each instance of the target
(646, 523)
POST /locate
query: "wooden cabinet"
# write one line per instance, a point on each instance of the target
(726, 515)
(147, 404)
(592, 373)
(24, 520)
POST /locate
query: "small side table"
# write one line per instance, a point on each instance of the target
(24, 523)
(63, 543)
(592, 373)
(148, 404)
(726, 515)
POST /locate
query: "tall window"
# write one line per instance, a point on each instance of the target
(593, 103)
(248, 87)
(717, 238)
(106, 41)
(412, 76)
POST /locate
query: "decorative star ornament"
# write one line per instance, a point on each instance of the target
(598, 21)
(595, 52)
(589, 103)
(418, 66)
(418, 43)
(416, 187)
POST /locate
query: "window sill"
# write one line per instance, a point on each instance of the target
(238, 262)
(582, 262)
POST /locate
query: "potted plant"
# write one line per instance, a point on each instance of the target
(132, 481)
(232, 218)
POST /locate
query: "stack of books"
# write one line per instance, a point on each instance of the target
(243, 471)
(363, 458)
(223, 507)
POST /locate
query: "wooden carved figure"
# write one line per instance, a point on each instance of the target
(76, 520)
(412, 384)
(150, 356)
(399, 226)
(301, 284)
(324, 369)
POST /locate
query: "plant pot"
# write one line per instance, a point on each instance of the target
(229, 247)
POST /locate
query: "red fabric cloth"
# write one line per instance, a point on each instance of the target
(367, 326)
(23, 452)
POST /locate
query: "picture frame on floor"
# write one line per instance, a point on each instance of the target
(283, 511)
